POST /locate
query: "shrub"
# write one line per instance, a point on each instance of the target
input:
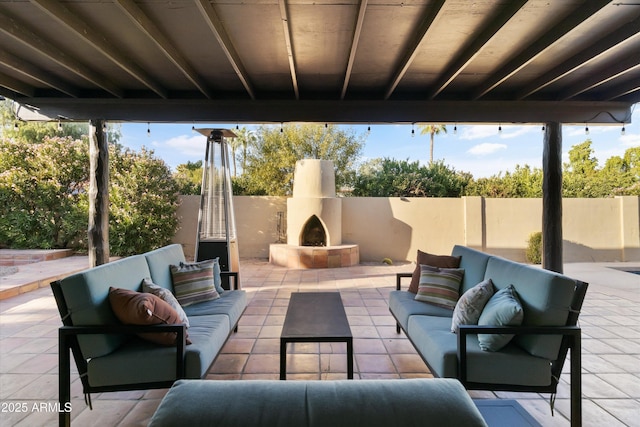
(534, 248)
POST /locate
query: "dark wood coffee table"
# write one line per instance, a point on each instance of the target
(315, 317)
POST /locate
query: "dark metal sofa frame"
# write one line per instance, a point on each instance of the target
(68, 340)
(571, 341)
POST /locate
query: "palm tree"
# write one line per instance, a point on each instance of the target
(432, 130)
(245, 139)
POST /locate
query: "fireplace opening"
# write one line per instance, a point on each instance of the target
(313, 233)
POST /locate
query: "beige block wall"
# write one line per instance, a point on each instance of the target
(593, 229)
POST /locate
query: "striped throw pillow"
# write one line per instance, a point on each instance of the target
(439, 286)
(193, 283)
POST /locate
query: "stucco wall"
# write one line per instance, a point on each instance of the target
(593, 229)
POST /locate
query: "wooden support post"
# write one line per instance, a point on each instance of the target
(552, 198)
(98, 240)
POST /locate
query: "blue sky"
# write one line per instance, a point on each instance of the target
(479, 149)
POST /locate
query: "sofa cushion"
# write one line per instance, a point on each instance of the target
(135, 308)
(424, 258)
(193, 283)
(439, 286)
(474, 263)
(159, 260)
(503, 309)
(130, 363)
(343, 403)
(166, 296)
(230, 303)
(471, 303)
(512, 365)
(403, 305)
(86, 295)
(545, 297)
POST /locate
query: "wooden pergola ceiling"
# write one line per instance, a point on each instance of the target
(352, 61)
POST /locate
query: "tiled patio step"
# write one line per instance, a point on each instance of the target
(10, 257)
(32, 276)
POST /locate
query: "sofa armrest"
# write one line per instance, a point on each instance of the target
(229, 284)
(572, 335)
(399, 277)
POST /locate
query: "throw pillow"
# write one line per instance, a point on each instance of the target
(470, 305)
(194, 283)
(135, 308)
(439, 286)
(165, 295)
(440, 261)
(503, 309)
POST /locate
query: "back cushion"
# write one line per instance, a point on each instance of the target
(159, 262)
(87, 297)
(474, 263)
(545, 296)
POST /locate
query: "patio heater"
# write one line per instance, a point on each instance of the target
(216, 237)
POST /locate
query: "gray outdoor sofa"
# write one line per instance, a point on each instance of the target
(532, 361)
(110, 356)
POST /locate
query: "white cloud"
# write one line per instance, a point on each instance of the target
(189, 145)
(486, 148)
(516, 131)
(478, 132)
(630, 140)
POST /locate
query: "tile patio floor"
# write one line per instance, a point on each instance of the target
(29, 322)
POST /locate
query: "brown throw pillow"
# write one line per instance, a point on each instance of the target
(440, 261)
(135, 308)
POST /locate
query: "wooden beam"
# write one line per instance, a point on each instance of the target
(362, 8)
(217, 28)
(98, 233)
(336, 111)
(412, 49)
(21, 32)
(16, 86)
(35, 73)
(284, 16)
(474, 48)
(582, 13)
(65, 16)
(152, 31)
(607, 73)
(622, 35)
(552, 198)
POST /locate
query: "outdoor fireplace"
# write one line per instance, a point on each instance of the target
(314, 221)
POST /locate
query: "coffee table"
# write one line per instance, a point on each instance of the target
(315, 317)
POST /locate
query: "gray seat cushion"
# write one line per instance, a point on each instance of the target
(404, 305)
(130, 363)
(511, 365)
(230, 303)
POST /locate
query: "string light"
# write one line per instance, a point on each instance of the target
(623, 131)
(237, 126)
(16, 127)
(369, 129)
(543, 128)
(148, 130)
(59, 126)
(281, 130)
(455, 129)
(500, 128)
(413, 131)
(586, 129)
(193, 128)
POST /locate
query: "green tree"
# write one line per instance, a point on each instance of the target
(43, 193)
(143, 201)
(524, 181)
(188, 176)
(271, 161)
(432, 131)
(401, 178)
